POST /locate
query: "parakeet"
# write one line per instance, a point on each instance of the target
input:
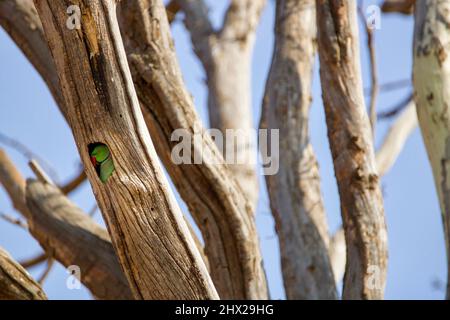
(102, 161)
(106, 169)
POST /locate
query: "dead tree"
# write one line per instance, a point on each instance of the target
(352, 149)
(102, 107)
(116, 79)
(295, 194)
(431, 76)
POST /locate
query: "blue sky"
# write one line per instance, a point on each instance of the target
(416, 242)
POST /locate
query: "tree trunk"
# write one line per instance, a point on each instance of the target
(432, 96)
(15, 282)
(294, 192)
(149, 234)
(215, 201)
(352, 150)
(235, 268)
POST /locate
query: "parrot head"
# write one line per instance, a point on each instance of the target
(101, 159)
(100, 153)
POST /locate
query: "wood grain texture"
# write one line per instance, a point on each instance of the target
(15, 282)
(295, 193)
(66, 233)
(73, 238)
(431, 75)
(352, 150)
(214, 199)
(214, 195)
(151, 238)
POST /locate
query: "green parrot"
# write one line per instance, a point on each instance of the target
(102, 161)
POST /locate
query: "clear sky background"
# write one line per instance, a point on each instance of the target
(416, 243)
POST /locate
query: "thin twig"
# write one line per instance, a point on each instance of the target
(373, 69)
(27, 153)
(390, 86)
(93, 210)
(15, 221)
(39, 172)
(393, 111)
(172, 8)
(32, 262)
(44, 276)
(74, 183)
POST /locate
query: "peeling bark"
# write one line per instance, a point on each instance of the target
(15, 281)
(432, 96)
(352, 150)
(294, 192)
(151, 239)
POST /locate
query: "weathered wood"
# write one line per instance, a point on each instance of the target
(385, 157)
(67, 234)
(431, 75)
(216, 202)
(352, 150)
(15, 281)
(214, 195)
(149, 234)
(295, 195)
(226, 58)
(73, 238)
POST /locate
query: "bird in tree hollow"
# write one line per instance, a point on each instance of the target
(102, 161)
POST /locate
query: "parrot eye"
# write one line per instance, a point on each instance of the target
(101, 159)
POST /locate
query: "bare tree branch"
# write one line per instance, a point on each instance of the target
(14, 221)
(15, 282)
(337, 252)
(48, 269)
(68, 234)
(34, 261)
(20, 20)
(212, 195)
(374, 88)
(241, 21)
(149, 234)
(231, 245)
(74, 183)
(73, 238)
(352, 149)
(295, 195)
(172, 9)
(431, 76)
(395, 139)
(398, 6)
(226, 58)
(200, 28)
(385, 158)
